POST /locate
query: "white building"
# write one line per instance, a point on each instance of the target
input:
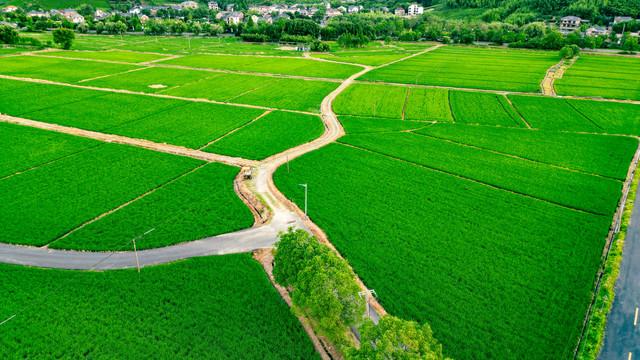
(327, 4)
(9, 9)
(213, 5)
(189, 4)
(415, 9)
(353, 9)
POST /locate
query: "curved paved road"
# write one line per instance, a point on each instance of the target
(622, 334)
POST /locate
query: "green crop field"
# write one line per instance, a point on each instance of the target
(150, 80)
(220, 86)
(371, 100)
(115, 55)
(483, 108)
(358, 125)
(601, 76)
(61, 70)
(365, 58)
(614, 117)
(37, 207)
(197, 205)
(428, 104)
(269, 135)
(495, 274)
(24, 148)
(268, 65)
(552, 114)
(493, 69)
(203, 308)
(560, 186)
(289, 94)
(596, 154)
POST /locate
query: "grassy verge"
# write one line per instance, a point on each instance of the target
(592, 342)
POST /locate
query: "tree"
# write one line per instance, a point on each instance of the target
(575, 50)
(566, 52)
(9, 35)
(295, 249)
(196, 28)
(552, 41)
(319, 46)
(85, 10)
(83, 28)
(99, 28)
(631, 44)
(394, 338)
(64, 37)
(177, 27)
(119, 27)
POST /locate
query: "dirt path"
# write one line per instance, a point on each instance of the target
(555, 72)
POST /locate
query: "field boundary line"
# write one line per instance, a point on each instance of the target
(388, 118)
(307, 56)
(410, 56)
(302, 77)
(170, 57)
(476, 181)
(167, 148)
(547, 80)
(506, 112)
(50, 162)
(106, 76)
(520, 157)
(249, 91)
(453, 118)
(189, 83)
(103, 130)
(124, 205)
(583, 115)
(406, 99)
(41, 54)
(236, 129)
(517, 111)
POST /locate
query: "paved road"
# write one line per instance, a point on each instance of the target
(622, 336)
(237, 242)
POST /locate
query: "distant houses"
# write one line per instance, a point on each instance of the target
(399, 12)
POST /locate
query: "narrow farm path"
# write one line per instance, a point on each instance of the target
(555, 72)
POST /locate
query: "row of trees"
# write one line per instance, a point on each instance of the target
(323, 288)
(10, 36)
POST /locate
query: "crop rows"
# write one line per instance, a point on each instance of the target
(357, 125)
(565, 187)
(220, 86)
(151, 79)
(203, 308)
(495, 274)
(482, 108)
(587, 77)
(428, 104)
(371, 100)
(470, 68)
(115, 55)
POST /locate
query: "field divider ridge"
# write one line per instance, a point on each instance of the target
(517, 111)
(475, 181)
(406, 99)
(252, 90)
(584, 116)
(189, 83)
(125, 204)
(310, 78)
(110, 75)
(507, 112)
(236, 129)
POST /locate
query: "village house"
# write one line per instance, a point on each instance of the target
(234, 17)
(189, 4)
(596, 31)
(619, 19)
(38, 14)
(568, 24)
(353, 9)
(332, 13)
(415, 9)
(213, 5)
(230, 7)
(342, 9)
(326, 4)
(282, 16)
(399, 12)
(9, 9)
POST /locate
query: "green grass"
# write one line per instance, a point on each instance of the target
(45, 203)
(481, 108)
(269, 65)
(115, 55)
(358, 125)
(60, 70)
(289, 94)
(24, 148)
(194, 125)
(370, 58)
(201, 308)
(597, 154)
(220, 86)
(142, 80)
(197, 205)
(9, 51)
(568, 188)
(371, 100)
(614, 117)
(473, 68)
(428, 104)
(551, 114)
(588, 77)
(495, 274)
(269, 135)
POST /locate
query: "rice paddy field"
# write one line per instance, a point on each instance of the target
(601, 76)
(511, 70)
(114, 55)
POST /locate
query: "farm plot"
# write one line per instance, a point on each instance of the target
(371, 58)
(483, 108)
(24, 148)
(150, 80)
(269, 135)
(198, 205)
(495, 274)
(596, 154)
(614, 117)
(587, 77)
(371, 100)
(193, 125)
(61, 70)
(201, 308)
(13, 100)
(268, 65)
(101, 113)
(289, 94)
(37, 207)
(541, 181)
(428, 104)
(114, 55)
(512, 70)
(220, 86)
(552, 114)
(359, 125)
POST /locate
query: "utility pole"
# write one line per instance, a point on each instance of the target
(366, 295)
(135, 250)
(305, 200)
(417, 78)
(287, 163)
